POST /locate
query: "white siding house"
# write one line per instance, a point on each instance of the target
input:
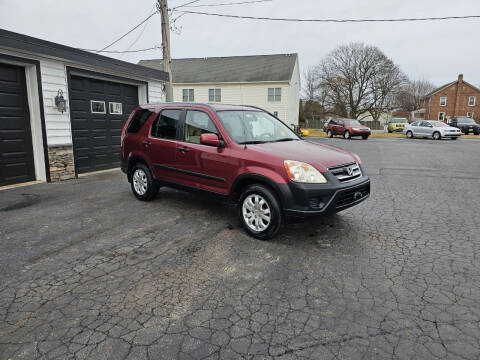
(271, 82)
(38, 141)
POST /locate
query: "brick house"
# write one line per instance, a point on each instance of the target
(457, 98)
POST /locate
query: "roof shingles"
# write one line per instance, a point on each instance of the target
(229, 69)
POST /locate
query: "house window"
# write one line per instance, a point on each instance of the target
(275, 113)
(443, 101)
(470, 114)
(115, 108)
(472, 100)
(214, 95)
(441, 116)
(274, 94)
(97, 107)
(188, 95)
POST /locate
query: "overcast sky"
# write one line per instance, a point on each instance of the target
(437, 51)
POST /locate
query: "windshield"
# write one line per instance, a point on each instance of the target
(465, 121)
(247, 127)
(399, 121)
(352, 123)
(439, 124)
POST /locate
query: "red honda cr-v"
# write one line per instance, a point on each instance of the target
(347, 128)
(244, 154)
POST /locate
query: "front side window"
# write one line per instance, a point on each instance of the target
(196, 124)
(138, 120)
(214, 95)
(472, 100)
(97, 107)
(254, 127)
(274, 94)
(166, 124)
(441, 116)
(188, 95)
(443, 101)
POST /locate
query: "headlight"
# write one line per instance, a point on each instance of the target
(302, 172)
(357, 158)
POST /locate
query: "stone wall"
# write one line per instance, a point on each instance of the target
(60, 159)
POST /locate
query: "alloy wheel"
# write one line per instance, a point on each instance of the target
(140, 181)
(256, 212)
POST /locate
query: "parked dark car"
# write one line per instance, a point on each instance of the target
(465, 124)
(243, 154)
(348, 128)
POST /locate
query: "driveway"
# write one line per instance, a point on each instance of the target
(88, 272)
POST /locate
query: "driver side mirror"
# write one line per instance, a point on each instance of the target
(211, 140)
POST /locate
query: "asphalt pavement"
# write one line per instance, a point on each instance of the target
(89, 272)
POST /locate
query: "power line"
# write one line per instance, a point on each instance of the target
(232, 3)
(332, 20)
(124, 51)
(139, 35)
(134, 28)
(186, 4)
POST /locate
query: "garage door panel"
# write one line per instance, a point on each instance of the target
(96, 137)
(16, 150)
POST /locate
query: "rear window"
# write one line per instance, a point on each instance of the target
(138, 120)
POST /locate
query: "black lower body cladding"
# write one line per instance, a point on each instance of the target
(301, 201)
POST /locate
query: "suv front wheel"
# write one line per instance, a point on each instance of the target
(143, 185)
(259, 212)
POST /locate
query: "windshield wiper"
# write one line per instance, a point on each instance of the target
(285, 139)
(252, 142)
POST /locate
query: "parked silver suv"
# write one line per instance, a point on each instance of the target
(431, 129)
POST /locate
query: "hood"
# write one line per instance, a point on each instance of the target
(320, 156)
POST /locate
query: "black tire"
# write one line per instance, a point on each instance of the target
(347, 135)
(329, 133)
(151, 188)
(364, 137)
(409, 135)
(436, 135)
(477, 133)
(269, 197)
(389, 131)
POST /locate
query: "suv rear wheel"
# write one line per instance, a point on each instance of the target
(143, 186)
(259, 212)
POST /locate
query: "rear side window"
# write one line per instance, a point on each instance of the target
(166, 124)
(138, 120)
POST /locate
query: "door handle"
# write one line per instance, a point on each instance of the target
(184, 149)
(146, 143)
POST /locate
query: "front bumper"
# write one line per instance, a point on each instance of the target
(468, 130)
(360, 133)
(301, 201)
(451, 134)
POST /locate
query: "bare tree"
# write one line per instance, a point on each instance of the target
(410, 95)
(359, 79)
(311, 84)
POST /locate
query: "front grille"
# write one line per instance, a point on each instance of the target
(352, 195)
(346, 172)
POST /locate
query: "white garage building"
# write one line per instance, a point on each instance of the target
(39, 141)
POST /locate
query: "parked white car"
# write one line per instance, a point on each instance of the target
(431, 129)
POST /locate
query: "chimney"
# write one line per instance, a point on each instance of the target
(458, 96)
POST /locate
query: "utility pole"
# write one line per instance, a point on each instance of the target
(162, 6)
